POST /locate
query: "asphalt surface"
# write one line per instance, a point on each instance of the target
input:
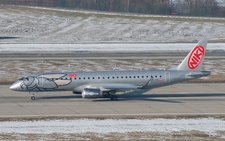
(180, 99)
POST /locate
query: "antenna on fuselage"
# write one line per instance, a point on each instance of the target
(114, 68)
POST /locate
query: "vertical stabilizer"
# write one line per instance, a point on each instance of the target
(194, 59)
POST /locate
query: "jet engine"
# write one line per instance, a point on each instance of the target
(91, 93)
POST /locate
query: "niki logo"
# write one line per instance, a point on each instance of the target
(196, 57)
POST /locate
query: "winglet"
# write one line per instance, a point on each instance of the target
(194, 59)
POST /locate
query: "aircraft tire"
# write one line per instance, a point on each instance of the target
(114, 98)
(33, 98)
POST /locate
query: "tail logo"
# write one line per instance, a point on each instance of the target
(196, 57)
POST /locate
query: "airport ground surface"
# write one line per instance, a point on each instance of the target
(102, 55)
(177, 100)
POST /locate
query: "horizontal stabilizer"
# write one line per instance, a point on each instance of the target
(197, 74)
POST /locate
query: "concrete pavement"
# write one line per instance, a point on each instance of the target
(180, 99)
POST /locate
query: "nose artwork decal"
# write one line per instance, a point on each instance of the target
(29, 83)
(45, 82)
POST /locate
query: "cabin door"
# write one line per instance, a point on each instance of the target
(167, 77)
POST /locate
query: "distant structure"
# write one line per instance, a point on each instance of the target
(174, 2)
(71, 3)
(44, 3)
(221, 3)
(212, 8)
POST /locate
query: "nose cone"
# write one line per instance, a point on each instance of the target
(16, 86)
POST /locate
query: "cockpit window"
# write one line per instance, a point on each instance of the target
(22, 78)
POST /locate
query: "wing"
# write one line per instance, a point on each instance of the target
(198, 74)
(118, 88)
(109, 87)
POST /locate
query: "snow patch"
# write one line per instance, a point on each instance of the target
(79, 126)
(105, 47)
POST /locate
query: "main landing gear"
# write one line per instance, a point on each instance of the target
(112, 96)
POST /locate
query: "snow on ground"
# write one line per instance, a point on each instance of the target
(209, 126)
(34, 25)
(106, 47)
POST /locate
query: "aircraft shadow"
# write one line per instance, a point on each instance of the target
(4, 37)
(155, 97)
(138, 95)
(138, 98)
(59, 97)
(170, 95)
(123, 98)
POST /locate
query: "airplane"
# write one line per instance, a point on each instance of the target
(100, 84)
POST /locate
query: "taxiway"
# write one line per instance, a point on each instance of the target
(194, 99)
(101, 55)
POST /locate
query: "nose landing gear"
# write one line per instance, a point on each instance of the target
(32, 96)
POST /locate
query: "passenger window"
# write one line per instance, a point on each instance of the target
(113, 77)
(156, 76)
(126, 76)
(103, 77)
(79, 78)
(108, 77)
(121, 76)
(117, 76)
(130, 76)
(98, 77)
(146, 76)
(137, 76)
(93, 77)
(134, 77)
(88, 77)
(142, 76)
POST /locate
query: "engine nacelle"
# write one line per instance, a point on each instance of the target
(91, 93)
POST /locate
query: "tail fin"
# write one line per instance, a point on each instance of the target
(194, 59)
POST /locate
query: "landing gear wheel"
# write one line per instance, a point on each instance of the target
(113, 98)
(32, 97)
